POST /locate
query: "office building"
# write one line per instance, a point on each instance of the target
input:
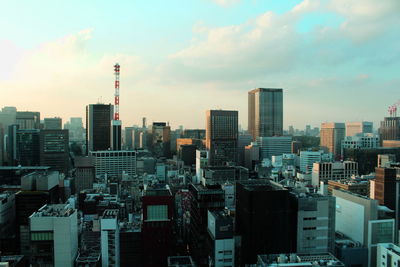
(54, 236)
(265, 115)
(7, 222)
(28, 120)
(332, 135)
(243, 141)
(194, 133)
(221, 232)
(380, 231)
(390, 128)
(324, 171)
(360, 141)
(221, 136)
(84, 173)
(307, 160)
(76, 131)
(315, 222)
(157, 227)
(54, 149)
(52, 123)
(274, 146)
(114, 163)
(354, 185)
(391, 143)
(109, 227)
(12, 144)
(361, 127)
(98, 127)
(187, 153)
(161, 139)
(28, 147)
(385, 187)
(116, 135)
(203, 199)
(219, 175)
(251, 155)
(265, 220)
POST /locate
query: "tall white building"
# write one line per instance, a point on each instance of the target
(324, 171)
(274, 146)
(353, 128)
(201, 162)
(109, 227)
(54, 235)
(113, 163)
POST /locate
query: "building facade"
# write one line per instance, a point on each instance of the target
(98, 127)
(332, 134)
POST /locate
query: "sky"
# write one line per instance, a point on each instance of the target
(336, 60)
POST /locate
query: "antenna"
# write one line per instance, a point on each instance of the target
(116, 95)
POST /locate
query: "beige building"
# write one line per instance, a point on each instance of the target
(332, 134)
(360, 127)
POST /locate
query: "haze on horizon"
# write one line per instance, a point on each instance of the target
(336, 60)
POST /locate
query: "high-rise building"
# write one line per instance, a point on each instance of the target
(98, 127)
(12, 144)
(28, 119)
(161, 139)
(53, 123)
(116, 135)
(332, 135)
(265, 220)
(157, 227)
(54, 236)
(54, 149)
(222, 136)
(361, 127)
(390, 128)
(85, 173)
(307, 159)
(114, 163)
(265, 116)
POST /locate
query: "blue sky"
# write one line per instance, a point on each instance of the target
(337, 60)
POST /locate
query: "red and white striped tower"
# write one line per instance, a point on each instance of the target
(116, 123)
(116, 95)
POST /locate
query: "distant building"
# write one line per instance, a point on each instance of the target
(161, 139)
(221, 136)
(265, 112)
(356, 186)
(201, 162)
(360, 141)
(362, 127)
(98, 127)
(391, 143)
(307, 160)
(251, 155)
(28, 147)
(114, 163)
(274, 146)
(84, 174)
(332, 135)
(324, 171)
(52, 123)
(28, 120)
(222, 174)
(54, 236)
(390, 128)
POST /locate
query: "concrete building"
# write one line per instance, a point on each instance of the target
(274, 146)
(265, 112)
(391, 143)
(353, 213)
(390, 128)
(332, 134)
(324, 171)
(53, 123)
(161, 139)
(388, 255)
(356, 186)
(109, 227)
(314, 259)
(361, 141)
(221, 136)
(361, 127)
(85, 173)
(98, 127)
(54, 236)
(221, 232)
(315, 222)
(114, 163)
(54, 149)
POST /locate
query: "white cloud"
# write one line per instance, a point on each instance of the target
(226, 3)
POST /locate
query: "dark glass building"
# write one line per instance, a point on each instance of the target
(28, 147)
(54, 149)
(98, 127)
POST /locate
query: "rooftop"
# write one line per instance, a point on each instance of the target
(320, 259)
(180, 261)
(110, 214)
(54, 210)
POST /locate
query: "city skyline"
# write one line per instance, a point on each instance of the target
(332, 57)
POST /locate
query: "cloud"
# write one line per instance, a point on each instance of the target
(226, 3)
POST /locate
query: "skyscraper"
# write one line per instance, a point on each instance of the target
(390, 128)
(265, 112)
(54, 149)
(332, 134)
(353, 128)
(53, 123)
(221, 136)
(98, 127)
